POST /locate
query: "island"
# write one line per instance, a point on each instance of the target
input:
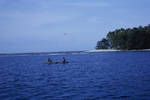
(137, 38)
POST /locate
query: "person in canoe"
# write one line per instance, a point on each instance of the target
(49, 60)
(64, 61)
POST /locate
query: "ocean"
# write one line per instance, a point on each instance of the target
(89, 76)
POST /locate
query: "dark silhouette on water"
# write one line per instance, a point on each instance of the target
(62, 62)
(49, 60)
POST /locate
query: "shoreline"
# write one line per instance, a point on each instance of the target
(114, 50)
(75, 52)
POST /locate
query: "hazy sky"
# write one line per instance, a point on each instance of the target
(62, 25)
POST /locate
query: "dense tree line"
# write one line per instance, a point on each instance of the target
(126, 39)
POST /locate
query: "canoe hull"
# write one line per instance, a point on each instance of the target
(49, 63)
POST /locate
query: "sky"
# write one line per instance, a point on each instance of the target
(65, 25)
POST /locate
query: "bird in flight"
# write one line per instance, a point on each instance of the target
(65, 33)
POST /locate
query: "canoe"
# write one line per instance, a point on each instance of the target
(57, 63)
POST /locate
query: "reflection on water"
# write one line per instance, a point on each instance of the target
(123, 75)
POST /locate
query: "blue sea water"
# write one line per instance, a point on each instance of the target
(93, 76)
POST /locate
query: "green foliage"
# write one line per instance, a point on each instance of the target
(103, 44)
(126, 39)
